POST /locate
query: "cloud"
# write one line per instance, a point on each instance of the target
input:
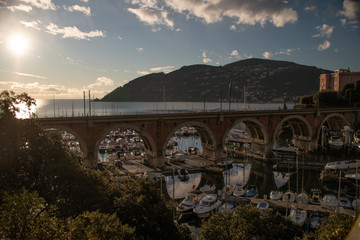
(143, 72)
(162, 69)
(43, 4)
(310, 8)
(243, 12)
(351, 12)
(234, 53)
(152, 16)
(324, 31)
(20, 7)
(73, 32)
(351, 9)
(288, 52)
(82, 9)
(267, 55)
(323, 46)
(24, 74)
(101, 81)
(140, 50)
(205, 58)
(33, 24)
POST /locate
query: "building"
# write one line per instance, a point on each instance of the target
(336, 80)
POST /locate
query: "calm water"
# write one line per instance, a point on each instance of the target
(77, 107)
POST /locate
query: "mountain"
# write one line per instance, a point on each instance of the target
(264, 81)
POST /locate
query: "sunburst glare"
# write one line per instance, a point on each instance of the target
(18, 44)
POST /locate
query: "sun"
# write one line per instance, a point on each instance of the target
(18, 44)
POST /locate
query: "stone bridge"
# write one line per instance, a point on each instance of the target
(213, 127)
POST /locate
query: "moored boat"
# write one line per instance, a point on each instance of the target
(208, 204)
(345, 203)
(288, 197)
(356, 204)
(315, 197)
(239, 190)
(315, 219)
(329, 200)
(191, 201)
(341, 165)
(251, 191)
(276, 195)
(336, 143)
(298, 216)
(302, 198)
(207, 188)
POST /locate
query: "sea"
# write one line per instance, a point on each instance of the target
(80, 107)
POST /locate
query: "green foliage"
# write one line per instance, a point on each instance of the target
(95, 225)
(140, 204)
(247, 222)
(27, 216)
(327, 99)
(307, 100)
(345, 88)
(9, 103)
(335, 227)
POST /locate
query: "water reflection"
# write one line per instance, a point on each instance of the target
(182, 188)
(237, 174)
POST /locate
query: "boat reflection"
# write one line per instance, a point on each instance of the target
(182, 188)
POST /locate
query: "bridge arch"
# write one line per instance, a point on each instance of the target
(149, 143)
(257, 130)
(334, 121)
(301, 129)
(78, 137)
(208, 139)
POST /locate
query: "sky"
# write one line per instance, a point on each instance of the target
(59, 49)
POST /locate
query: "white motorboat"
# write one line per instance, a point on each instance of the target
(225, 163)
(345, 203)
(207, 205)
(183, 174)
(353, 176)
(239, 190)
(341, 165)
(276, 195)
(298, 216)
(336, 143)
(288, 197)
(302, 198)
(207, 188)
(329, 200)
(191, 201)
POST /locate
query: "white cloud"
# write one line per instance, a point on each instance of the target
(43, 4)
(119, 37)
(140, 50)
(267, 55)
(351, 12)
(82, 9)
(162, 69)
(310, 8)
(351, 9)
(233, 27)
(205, 58)
(234, 53)
(244, 12)
(33, 24)
(73, 32)
(20, 7)
(324, 31)
(101, 81)
(143, 72)
(323, 46)
(280, 52)
(84, 0)
(24, 74)
(153, 16)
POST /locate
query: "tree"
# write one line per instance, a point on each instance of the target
(335, 227)
(10, 103)
(27, 216)
(96, 225)
(247, 222)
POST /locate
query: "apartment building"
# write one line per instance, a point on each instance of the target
(336, 80)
